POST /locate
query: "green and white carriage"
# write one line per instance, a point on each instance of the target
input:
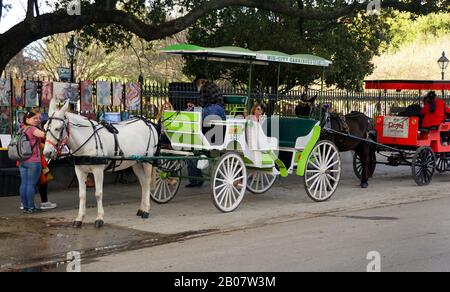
(251, 156)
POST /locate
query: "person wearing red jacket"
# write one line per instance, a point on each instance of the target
(434, 111)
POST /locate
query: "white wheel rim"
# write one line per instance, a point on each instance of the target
(229, 183)
(166, 189)
(260, 182)
(323, 171)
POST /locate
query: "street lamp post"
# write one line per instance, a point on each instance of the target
(443, 64)
(72, 49)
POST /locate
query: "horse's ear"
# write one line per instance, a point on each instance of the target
(52, 107)
(65, 108)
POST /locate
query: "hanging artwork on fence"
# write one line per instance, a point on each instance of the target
(5, 92)
(46, 94)
(31, 95)
(103, 93)
(87, 104)
(90, 115)
(133, 96)
(117, 94)
(4, 121)
(20, 115)
(65, 91)
(18, 99)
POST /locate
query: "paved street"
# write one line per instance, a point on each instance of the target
(278, 231)
(411, 237)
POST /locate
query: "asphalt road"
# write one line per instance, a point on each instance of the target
(408, 237)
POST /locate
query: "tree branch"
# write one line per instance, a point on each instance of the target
(1, 10)
(30, 10)
(105, 12)
(36, 7)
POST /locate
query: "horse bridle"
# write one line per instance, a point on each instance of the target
(61, 140)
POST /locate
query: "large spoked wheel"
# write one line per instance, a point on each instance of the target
(229, 182)
(442, 163)
(259, 182)
(358, 166)
(423, 166)
(167, 181)
(323, 171)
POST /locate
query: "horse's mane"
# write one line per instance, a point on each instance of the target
(81, 120)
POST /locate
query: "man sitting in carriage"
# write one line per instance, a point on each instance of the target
(434, 113)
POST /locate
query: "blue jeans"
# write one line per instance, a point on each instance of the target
(194, 172)
(29, 175)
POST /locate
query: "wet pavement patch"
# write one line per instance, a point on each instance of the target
(32, 244)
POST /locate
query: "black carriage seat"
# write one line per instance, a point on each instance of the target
(427, 130)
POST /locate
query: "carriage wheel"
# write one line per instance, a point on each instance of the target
(259, 182)
(423, 166)
(229, 182)
(442, 163)
(323, 171)
(167, 177)
(357, 165)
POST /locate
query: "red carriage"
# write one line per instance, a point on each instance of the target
(402, 140)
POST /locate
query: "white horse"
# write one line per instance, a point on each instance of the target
(90, 141)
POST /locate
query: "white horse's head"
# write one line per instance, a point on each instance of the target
(56, 129)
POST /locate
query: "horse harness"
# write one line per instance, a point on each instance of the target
(88, 160)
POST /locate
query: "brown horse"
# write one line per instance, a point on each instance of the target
(352, 126)
(348, 134)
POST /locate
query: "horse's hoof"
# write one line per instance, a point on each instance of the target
(99, 223)
(364, 185)
(145, 215)
(77, 224)
(140, 213)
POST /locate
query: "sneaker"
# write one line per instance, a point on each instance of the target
(445, 144)
(32, 211)
(21, 207)
(36, 210)
(48, 206)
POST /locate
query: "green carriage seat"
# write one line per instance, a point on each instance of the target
(235, 104)
(290, 129)
(184, 129)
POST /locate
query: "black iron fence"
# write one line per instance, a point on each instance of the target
(153, 96)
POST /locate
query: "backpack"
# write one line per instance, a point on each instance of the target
(20, 148)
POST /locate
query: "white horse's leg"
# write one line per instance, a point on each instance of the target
(144, 180)
(99, 175)
(148, 170)
(82, 177)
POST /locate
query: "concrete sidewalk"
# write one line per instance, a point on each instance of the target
(193, 209)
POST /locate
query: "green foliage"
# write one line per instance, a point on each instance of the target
(416, 45)
(407, 28)
(114, 37)
(350, 43)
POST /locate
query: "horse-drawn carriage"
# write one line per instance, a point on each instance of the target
(247, 158)
(402, 140)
